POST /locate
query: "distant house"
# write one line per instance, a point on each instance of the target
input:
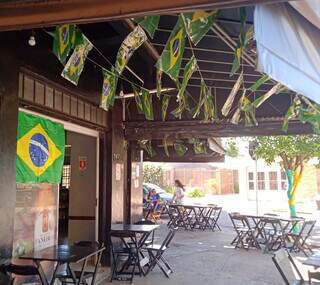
(204, 176)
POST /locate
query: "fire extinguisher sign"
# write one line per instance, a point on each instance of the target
(82, 163)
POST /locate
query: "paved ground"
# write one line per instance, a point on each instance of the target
(201, 258)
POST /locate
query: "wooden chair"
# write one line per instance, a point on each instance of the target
(125, 254)
(22, 270)
(83, 275)
(287, 268)
(156, 252)
(299, 239)
(245, 237)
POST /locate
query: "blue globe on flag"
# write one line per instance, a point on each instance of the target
(38, 150)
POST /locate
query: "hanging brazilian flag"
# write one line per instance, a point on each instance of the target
(147, 104)
(190, 68)
(171, 57)
(40, 150)
(75, 64)
(198, 24)
(109, 87)
(132, 42)
(149, 24)
(137, 97)
(63, 41)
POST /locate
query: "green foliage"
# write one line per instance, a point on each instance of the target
(153, 174)
(170, 189)
(291, 149)
(196, 193)
(232, 148)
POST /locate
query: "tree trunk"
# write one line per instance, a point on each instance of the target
(294, 178)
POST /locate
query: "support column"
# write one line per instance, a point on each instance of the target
(9, 81)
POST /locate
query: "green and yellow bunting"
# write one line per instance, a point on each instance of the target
(183, 104)
(305, 111)
(137, 97)
(208, 106)
(245, 107)
(149, 24)
(274, 90)
(228, 104)
(159, 83)
(171, 57)
(199, 147)
(64, 40)
(180, 148)
(189, 69)
(165, 147)
(244, 38)
(147, 104)
(40, 150)
(292, 113)
(131, 43)
(75, 64)
(262, 80)
(109, 88)
(198, 24)
(182, 99)
(147, 147)
(164, 106)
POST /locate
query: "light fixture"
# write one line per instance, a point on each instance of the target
(32, 40)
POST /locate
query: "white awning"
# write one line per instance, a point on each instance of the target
(288, 48)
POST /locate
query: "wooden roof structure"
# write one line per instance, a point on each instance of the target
(106, 28)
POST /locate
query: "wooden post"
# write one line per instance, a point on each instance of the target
(9, 81)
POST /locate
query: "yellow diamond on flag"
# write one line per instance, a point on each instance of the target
(37, 150)
(175, 48)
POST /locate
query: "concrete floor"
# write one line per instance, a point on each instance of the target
(201, 258)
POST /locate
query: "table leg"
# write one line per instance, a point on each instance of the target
(72, 274)
(42, 275)
(54, 274)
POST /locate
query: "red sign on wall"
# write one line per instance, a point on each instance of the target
(82, 163)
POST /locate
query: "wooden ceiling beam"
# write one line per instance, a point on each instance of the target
(187, 129)
(21, 14)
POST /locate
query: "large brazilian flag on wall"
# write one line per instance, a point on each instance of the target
(40, 150)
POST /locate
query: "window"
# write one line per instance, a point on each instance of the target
(283, 181)
(66, 176)
(251, 180)
(273, 180)
(261, 181)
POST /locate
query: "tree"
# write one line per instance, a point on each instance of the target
(232, 148)
(294, 152)
(153, 174)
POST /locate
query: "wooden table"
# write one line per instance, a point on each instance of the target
(62, 254)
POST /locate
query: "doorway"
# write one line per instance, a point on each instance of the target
(78, 189)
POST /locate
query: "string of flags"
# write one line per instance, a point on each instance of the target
(72, 48)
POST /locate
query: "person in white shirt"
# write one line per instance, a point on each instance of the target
(179, 192)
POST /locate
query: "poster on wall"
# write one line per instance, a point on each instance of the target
(44, 228)
(36, 217)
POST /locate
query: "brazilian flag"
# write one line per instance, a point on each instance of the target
(149, 24)
(40, 150)
(198, 24)
(171, 57)
(63, 41)
(110, 80)
(75, 64)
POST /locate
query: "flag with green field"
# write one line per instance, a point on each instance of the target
(63, 41)
(40, 150)
(109, 87)
(171, 57)
(131, 43)
(75, 64)
(198, 24)
(149, 24)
